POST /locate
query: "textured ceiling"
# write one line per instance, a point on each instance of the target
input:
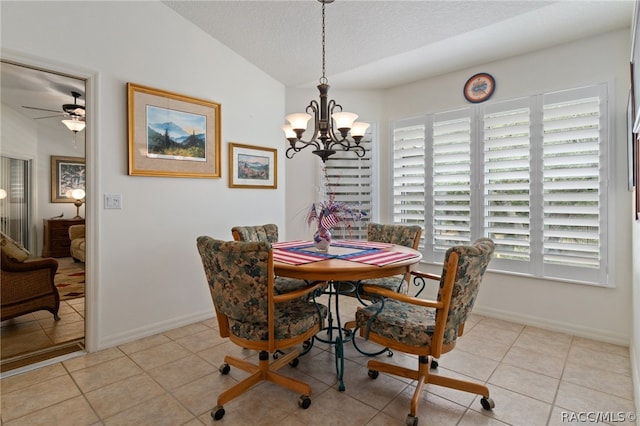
(381, 44)
(370, 44)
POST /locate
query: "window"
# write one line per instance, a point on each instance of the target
(529, 173)
(351, 179)
(15, 209)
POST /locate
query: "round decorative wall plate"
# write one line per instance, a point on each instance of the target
(479, 87)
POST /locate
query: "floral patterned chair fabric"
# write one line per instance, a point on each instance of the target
(429, 328)
(402, 235)
(240, 278)
(269, 233)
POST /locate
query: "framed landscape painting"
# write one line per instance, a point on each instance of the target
(67, 174)
(252, 167)
(172, 135)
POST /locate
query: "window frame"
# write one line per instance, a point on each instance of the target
(536, 267)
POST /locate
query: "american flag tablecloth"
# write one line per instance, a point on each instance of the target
(295, 257)
(300, 252)
(381, 258)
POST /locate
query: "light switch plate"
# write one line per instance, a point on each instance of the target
(112, 201)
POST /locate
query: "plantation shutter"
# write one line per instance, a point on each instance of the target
(529, 173)
(451, 188)
(351, 180)
(574, 184)
(409, 173)
(507, 182)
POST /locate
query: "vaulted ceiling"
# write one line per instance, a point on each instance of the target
(369, 44)
(380, 44)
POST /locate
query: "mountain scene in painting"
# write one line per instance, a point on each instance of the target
(253, 167)
(175, 134)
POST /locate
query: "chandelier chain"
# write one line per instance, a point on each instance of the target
(323, 79)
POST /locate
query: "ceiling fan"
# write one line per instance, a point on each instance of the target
(74, 113)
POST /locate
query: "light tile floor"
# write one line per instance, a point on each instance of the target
(536, 377)
(38, 330)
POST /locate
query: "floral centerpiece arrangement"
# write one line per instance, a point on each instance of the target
(325, 215)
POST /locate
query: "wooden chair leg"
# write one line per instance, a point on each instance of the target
(264, 371)
(462, 385)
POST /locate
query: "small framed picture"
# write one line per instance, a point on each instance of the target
(172, 135)
(67, 174)
(252, 167)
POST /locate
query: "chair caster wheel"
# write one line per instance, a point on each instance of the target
(224, 369)
(373, 374)
(294, 363)
(487, 403)
(411, 421)
(304, 402)
(217, 413)
(390, 353)
(306, 344)
(434, 364)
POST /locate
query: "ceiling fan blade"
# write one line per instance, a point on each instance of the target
(49, 116)
(41, 109)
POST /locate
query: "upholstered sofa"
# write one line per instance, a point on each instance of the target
(26, 284)
(76, 235)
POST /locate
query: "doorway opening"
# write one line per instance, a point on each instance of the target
(42, 160)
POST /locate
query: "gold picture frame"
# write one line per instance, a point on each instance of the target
(252, 167)
(67, 174)
(172, 135)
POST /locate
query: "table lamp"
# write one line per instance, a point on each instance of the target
(78, 194)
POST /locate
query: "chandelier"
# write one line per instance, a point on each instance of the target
(331, 125)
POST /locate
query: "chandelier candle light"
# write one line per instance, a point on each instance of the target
(328, 116)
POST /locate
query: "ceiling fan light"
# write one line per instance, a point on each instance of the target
(74, 125)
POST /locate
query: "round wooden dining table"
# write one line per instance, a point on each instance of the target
(334, 269)
(341, 273)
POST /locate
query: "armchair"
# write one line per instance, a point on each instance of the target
(428, 328)
(26, 285)
(268, 233)
(403, 235)
(240, 277)
(78, 242)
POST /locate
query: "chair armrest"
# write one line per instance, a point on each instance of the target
(299, 293)
(425, 275)
(420, 280)
(31, 265)
(76, 231)
(389, 294)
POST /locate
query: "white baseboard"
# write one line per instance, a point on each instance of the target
(151, 329)
(572, 329)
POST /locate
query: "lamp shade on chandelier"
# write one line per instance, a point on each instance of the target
(332, 126)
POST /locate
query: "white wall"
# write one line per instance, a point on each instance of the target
(601, 313)
(144, 271)
(635, 341)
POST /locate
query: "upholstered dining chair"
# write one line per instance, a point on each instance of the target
(269, 233)
(402, 235)
(240, 277)
(428, 328)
